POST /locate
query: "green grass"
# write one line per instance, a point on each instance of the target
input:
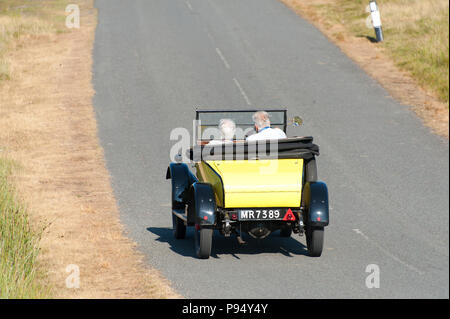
(416, 35)
(20, 276)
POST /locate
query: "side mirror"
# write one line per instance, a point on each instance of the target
(296, 121)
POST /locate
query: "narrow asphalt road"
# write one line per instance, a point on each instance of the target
(388, 176)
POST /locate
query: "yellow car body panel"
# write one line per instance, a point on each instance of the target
(206, 174)
(254, 183)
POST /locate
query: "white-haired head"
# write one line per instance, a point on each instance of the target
(227, 128)
(261, 119)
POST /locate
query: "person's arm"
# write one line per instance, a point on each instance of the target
(281, 133)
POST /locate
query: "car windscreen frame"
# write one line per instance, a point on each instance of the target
(251, 111)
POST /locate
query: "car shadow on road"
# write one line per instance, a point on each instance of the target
(274, 244)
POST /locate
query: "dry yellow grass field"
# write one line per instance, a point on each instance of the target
(412, 62)
(48, 127)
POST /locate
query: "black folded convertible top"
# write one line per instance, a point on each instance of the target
(294, 147)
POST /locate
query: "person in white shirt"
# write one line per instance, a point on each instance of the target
(227, 129)
(263, 129)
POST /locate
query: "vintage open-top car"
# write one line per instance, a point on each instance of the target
(253, 187)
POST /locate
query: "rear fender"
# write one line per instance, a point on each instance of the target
(315, 202)
(202, 205)
(182, 178)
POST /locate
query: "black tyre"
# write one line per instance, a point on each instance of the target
(314, 240)
(203, 242)
(286, 231)
(179, 228)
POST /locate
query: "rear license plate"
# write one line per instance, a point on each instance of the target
(262, 214)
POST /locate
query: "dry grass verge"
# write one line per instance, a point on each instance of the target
(48, 126)
(412, 63)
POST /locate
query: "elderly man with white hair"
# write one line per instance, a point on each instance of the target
(227, 129)
(263, 129)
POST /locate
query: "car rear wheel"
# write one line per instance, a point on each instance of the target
(179, 228)
(203, 242)
(314, 240)
(286, 231)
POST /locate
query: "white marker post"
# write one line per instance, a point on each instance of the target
(376, 20)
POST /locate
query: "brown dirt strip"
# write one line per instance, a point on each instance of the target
(374, 60)
(47, 125)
